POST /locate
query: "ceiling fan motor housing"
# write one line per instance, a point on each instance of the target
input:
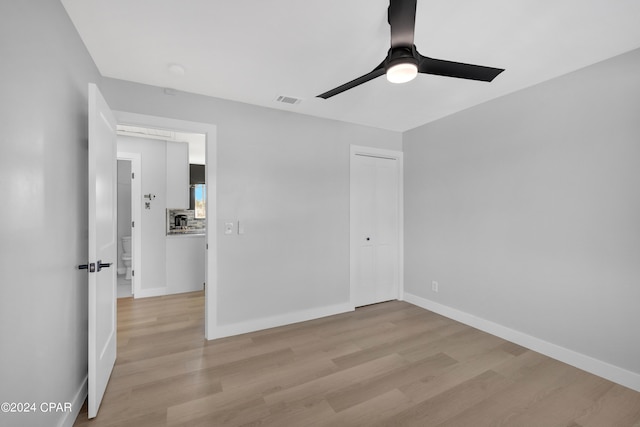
(401, 55)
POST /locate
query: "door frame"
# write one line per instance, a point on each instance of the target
(210, 132)
(359, 150)
(136, 217)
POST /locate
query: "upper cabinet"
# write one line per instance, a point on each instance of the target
(196, 174)
(177, 175)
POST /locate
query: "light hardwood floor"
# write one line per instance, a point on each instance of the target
(390, 364)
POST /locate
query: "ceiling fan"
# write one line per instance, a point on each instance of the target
(404, 62)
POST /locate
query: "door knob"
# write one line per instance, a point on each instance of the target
(91, 267)
(102, 265)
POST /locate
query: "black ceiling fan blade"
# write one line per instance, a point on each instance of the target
(457, 69)
(377, 72)
(402, 19)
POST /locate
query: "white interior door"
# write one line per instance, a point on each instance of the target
(375, 222)
(102, 247)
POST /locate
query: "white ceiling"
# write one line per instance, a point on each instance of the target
(253, 51)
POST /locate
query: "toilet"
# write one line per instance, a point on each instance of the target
(126, 256)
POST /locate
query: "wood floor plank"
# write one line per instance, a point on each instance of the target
(367, 413)
(510, 403)
(388, 364)
(286, 415)
(318, 388)
(376, 385)
(617, 408)
(280, 377)
(565, 404)
(448, 404)
(215, 407)
(426, 387)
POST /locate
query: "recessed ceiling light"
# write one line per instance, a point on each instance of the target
(176, 69)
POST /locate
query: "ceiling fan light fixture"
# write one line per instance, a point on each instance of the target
(402, 72)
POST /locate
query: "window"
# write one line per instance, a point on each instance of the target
(200, 200)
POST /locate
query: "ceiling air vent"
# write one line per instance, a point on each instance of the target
(288, 100)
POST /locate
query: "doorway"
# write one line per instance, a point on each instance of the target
(129, 239)
(210, 132)
(376, 225)
(172, 257)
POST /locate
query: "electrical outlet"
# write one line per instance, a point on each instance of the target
(434, 286)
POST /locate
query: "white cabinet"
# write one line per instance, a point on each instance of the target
(185, 265)
(177, 175)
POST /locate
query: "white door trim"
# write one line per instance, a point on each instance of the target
(136, 217)
(210, 132)
(358, 150)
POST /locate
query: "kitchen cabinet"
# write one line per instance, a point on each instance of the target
(177, 175)
(196, 174)
(186, 263)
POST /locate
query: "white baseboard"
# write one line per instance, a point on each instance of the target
(153, 292)
(69, 418)
(581, 361)
(222, 331)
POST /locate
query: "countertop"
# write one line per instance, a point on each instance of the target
(186, 233)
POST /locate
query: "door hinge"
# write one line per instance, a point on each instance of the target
(133, 175)
(133, 224)
(206, 246)
(133, 272)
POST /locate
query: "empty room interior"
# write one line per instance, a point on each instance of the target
(461, 248)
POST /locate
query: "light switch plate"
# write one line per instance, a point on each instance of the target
(228, 228)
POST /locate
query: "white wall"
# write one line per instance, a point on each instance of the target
(286, 177)
(43, 189)
(526, 210)
(153, 220)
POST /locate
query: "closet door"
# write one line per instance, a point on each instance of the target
(375, 222)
